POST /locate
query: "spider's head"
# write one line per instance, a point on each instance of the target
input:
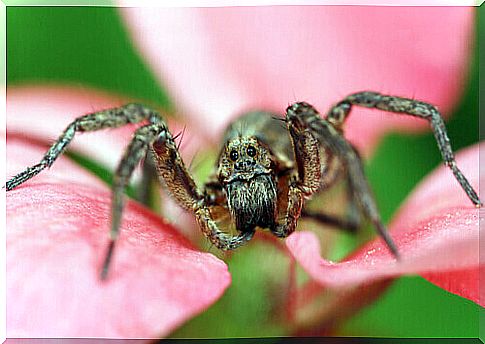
(243, 158)
(245, 171)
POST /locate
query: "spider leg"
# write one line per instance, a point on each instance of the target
(134, 153)
(331, 138)
(112, 118)
(339, 112)
(148, 189)
(183, 189)
(307, 179)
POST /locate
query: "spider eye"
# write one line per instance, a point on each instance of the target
(234, 155)
(251, 151)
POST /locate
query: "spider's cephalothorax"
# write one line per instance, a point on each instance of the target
(267, 168)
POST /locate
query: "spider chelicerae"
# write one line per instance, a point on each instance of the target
(265, 170)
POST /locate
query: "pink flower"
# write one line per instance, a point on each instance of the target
(218, 62)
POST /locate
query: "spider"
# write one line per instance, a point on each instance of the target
(265, 170)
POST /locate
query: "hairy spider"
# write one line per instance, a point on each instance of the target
(265, 171)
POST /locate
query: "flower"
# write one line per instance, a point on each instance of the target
(216, 62)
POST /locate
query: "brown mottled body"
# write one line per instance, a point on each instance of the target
(267, 167)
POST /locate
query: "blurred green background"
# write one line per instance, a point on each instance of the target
(89, 47)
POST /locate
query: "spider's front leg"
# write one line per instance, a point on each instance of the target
(307, 179)
(330, 137)
(111, 118)
(183, 189)
(338, 114)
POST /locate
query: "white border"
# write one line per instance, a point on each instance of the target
(239, 3)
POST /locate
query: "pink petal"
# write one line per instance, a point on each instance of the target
(217, 62)
(436, 233)
(57, 232)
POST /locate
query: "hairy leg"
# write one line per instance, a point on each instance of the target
(339, 112)
(111, 118)
(134, 153)
(307, 180)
